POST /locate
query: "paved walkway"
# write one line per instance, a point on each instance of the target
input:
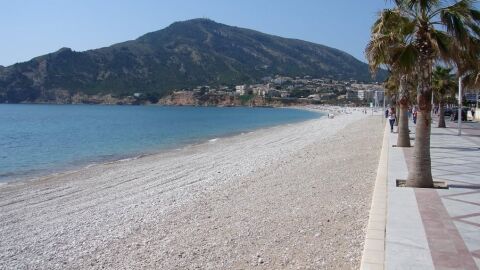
(433, 228)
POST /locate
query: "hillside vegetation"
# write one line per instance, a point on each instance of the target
(183, 55)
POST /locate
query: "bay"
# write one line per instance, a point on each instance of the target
(41, 139)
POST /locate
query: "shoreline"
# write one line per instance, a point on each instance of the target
(39, 174)
(269, 198)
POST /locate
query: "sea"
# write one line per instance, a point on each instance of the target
(37, 140)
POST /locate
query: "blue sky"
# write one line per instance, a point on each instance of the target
(29, 28)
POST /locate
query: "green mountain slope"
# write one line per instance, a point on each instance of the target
(185, 54)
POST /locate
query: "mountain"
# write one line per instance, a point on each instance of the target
(183, 55)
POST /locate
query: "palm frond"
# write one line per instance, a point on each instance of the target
(461, 19)
(404, 58)
(443, 82)
(442, 44)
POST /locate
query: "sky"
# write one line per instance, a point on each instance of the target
(29, 28)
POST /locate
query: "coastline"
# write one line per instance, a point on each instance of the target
(78, 165)
(134, 213)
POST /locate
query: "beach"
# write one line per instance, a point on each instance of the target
(294, 196)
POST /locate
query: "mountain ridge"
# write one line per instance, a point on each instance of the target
(183, 55)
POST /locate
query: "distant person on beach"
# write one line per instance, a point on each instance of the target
(391, 117)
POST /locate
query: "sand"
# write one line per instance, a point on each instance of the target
(289, 197)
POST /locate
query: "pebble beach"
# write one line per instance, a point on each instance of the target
(294, 196)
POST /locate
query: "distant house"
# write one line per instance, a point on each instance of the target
(260, 90)
(378, 96)
(273, 93)
(362, 94)
(327, 96)
(284, 94)
(281, 80)
(240, 89)
(225, 88)
(351, 95)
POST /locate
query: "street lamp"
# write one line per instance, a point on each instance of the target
(383, 111)
(459, 106)
(476, 108)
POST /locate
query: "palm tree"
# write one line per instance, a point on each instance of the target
(431, 30)
(443, 83)
(389, 48)
(390, 85)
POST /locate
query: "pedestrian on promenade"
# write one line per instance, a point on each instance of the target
(391, 117)
(415, 115)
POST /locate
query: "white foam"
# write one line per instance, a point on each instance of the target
(127, 159)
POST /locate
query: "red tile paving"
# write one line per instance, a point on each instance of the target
(447, 247)
(476, 253)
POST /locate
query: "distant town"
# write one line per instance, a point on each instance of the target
(279, 90)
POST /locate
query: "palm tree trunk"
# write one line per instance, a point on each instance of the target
(397, 114)
(403, 139)
(441, 111)
(420, 175)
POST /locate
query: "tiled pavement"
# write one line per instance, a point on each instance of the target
(461, 169)
(435, 228)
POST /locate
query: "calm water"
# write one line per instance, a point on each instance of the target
(39, 139)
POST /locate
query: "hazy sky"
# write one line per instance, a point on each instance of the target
(30, 28)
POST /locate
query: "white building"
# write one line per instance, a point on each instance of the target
(361, 94)
(378, 97)
(260, 90)
(240, 89)
(365, 94)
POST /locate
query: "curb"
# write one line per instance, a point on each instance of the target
(373, 255)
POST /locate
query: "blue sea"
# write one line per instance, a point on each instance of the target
(41, 139)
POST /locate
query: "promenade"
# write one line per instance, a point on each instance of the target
(413, 228)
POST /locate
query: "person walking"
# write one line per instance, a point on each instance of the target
(414, 115)
(391, 118)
